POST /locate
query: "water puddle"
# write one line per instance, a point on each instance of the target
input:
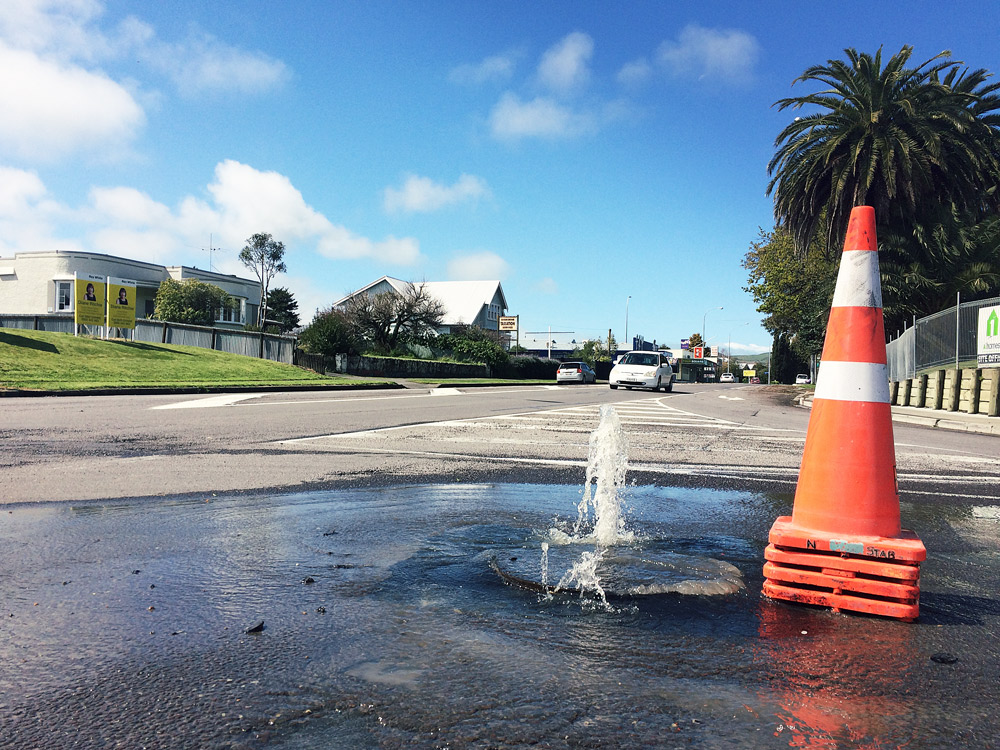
(473, 615)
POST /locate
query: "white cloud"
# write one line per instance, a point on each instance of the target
(512, 118)
(19, 190)
(480, 266)
(125, 221)
(547, 286)
(60, 28)
(51, 109)
(724, 54)
(422, 194)
(498, 68)
(56, 101)
(203, 64)
(28, 216)
(564, 66)
(635, 72)
(749, 349)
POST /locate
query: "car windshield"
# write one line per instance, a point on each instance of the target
(636, 358)
(570, 366)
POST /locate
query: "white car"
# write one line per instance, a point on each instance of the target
(727, 377)
(802, 379)
(643, 370)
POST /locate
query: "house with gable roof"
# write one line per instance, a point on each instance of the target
(466, 303)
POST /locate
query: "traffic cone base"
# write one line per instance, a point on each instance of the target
(843, 547)
(907, 611)
(904, 547)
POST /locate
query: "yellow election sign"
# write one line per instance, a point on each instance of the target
(89, 293)
(121, 303)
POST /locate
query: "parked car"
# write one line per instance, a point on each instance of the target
(727, 377)
(755, 380)
(802, 379)
(575, 372)
(643, 370)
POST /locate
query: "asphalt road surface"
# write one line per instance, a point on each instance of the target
(90, 448)
(141, 536)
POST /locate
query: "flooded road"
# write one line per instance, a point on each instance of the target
(384, 626)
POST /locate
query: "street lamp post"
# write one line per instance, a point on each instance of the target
(626, 321)
(704, 341)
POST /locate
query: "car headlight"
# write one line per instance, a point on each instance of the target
(649, 373)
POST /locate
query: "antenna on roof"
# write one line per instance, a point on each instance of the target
(211, 250)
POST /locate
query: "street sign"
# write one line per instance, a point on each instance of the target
(988, 337)
(508, 322)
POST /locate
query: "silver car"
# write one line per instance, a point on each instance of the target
(575, 372)
(643, 370)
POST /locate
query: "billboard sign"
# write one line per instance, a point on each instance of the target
(508, 323)
(697, 352)
(685, 343)
(88, 291)
(121, 303)
(988, 337)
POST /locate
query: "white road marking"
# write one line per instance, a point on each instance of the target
(731, 398)
(227, 399)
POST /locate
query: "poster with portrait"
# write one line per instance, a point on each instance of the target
(88, 291)
(121, 303)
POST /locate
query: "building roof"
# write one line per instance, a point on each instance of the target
(462, 300)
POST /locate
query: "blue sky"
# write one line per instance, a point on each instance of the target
(598, 158)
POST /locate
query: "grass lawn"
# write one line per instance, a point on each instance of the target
(41, 360)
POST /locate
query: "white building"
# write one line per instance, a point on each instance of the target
(37, 283)
(466, 303)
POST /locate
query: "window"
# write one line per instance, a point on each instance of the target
(235, 314)
(64, 295)
(493, 313)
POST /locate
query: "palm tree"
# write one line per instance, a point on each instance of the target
(898, 138)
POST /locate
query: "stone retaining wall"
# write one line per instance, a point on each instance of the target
(968, 390)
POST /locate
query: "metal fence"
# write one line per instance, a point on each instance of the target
(942, 340)
(250, 344)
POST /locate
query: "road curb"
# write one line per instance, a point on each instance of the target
(953, 421)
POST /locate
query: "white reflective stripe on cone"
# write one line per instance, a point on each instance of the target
(853, 381)
(858, 281)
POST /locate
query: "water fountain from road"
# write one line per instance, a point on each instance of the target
(616, 561)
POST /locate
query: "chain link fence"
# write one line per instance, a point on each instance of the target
(942, 340)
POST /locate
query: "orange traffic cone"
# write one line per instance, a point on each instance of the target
(843, 546)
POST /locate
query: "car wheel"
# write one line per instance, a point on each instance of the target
(670, 387)
(613, 386)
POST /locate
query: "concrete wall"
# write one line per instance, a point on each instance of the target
(968, 390)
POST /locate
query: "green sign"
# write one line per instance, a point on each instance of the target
(988, 337)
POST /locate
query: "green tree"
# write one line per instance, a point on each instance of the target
(793, 291)
(593, 351)
(474, 344)
(283, 308)
(384, 320)
(189, 301)
(695, 340)
(901, 139)
(330, 332)
(263, 255)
